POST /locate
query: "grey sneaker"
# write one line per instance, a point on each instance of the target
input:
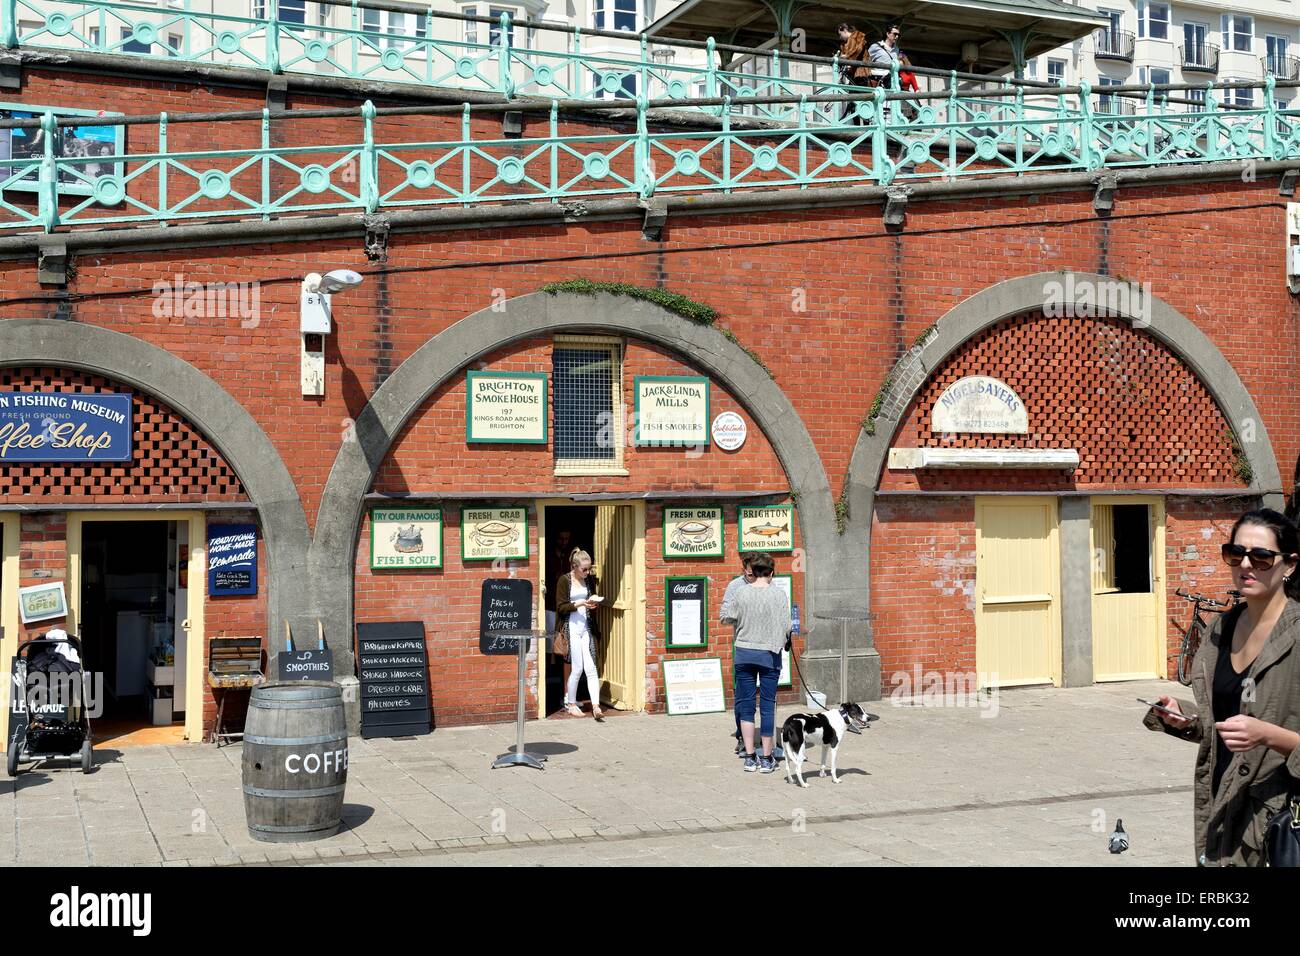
(766, 764)
(751, 763)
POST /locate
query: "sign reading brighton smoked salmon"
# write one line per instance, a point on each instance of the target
(490, 533)
(672, 410)
(65, 426)
(766, 527)
(978, 403)
(693, 532)
(406, 538)
(505, 407)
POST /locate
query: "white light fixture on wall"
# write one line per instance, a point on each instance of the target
(316, 321)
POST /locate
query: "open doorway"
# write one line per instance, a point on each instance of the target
(1127, 588)
(132, 605)
(567, 527)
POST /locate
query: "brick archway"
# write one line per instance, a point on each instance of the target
(1027, 293)
(832, 579)
(219, 417)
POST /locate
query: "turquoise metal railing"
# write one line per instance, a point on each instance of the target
(988, 132)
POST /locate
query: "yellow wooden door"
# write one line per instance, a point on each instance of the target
(1126, 635)
(1017, 612)
(613, 543)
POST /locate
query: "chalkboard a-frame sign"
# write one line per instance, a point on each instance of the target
(507, 605)
(394, 667)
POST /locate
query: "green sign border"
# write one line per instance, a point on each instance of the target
(695, 713)
(504, 557)
(789, 682)
(740, 530)
(722, 534)
(672, 443)
(668, 613)
(472, 374)
(442, 544)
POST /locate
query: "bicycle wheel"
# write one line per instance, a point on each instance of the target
(1187, 653)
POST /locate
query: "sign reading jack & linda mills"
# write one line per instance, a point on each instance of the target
(406, 538)
(672, 410)
(693, 532)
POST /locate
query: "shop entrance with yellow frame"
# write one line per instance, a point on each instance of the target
(1018, 595)
(1128, 594)
(614, 534)
(9, 529)
(181, 561)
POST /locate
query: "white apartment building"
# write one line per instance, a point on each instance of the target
(1188, 41)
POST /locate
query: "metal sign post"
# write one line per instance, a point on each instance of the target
(520, 757)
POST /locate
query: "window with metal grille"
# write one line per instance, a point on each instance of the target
(587, 389)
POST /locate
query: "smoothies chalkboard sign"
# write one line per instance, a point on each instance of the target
(507, 605)
(394, 666)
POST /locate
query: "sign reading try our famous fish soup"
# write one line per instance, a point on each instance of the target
(766, 527)
(490, 533)
(693, 532)
(505, 407)
(406, 538)
(65, 426)
(672, 410)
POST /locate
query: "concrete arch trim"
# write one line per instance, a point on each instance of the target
(452, 350)
(221, 419)
(1013, 296)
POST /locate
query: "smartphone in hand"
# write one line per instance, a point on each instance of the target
(1161, 708)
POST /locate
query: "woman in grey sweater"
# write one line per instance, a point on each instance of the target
(762, 619)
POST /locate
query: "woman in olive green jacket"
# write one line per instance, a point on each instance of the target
(1246, 681)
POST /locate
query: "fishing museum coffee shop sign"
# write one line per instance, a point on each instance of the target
(64, 426)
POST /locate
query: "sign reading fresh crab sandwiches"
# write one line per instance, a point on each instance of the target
(487, 534)
(693, 532)
(766, 528)
(406, 538)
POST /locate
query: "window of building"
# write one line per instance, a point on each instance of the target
(174, 42)
(130, 45)
(1197, 97)
(1116, 18)
(494, 31)
(1153, 75)
(1244, 98)
(1194, 44)
(587, 385)
(1238, 32)
(1055, 70)
(471, 26)
(616, 15)
(289, 11)
(396, 26)
(1031, 69)
(1276, 48)
(1107, 103)
(92, 34)
(1153, 20)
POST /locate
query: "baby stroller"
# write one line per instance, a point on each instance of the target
(55, 722)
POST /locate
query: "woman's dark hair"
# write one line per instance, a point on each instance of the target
(1288, 539)
(763, 565)
(846, 26)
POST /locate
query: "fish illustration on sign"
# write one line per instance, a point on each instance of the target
(494, 534)
(408, 540)
(687, 533)
(770, 530)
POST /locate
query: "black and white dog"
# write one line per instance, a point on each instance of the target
(801, 731)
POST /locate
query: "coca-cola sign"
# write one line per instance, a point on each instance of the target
(729, 431)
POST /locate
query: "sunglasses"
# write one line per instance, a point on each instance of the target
(1260, 558)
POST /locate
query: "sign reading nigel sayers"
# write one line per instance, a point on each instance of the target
(978, 403)
(505, 407)
(672, 410)
(65, 426)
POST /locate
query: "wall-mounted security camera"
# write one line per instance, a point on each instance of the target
(316, 320)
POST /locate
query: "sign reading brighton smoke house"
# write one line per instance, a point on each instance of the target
(672, 411)
(490, 533)
(978, 403)
(766, 527)
(65, 426)
(406, 538)
(693, 532)
(505, 407)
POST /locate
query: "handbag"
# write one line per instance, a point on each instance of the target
(560, 643)
(1282, 835)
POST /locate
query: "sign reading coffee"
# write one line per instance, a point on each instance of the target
(64, 426)
(693, 532)
(232, 559)
(766, 527)
(978, 403)
(505, 407)
(672, 410)
(487, 534)
(406, 538)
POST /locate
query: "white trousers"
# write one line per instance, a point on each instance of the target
(581, 663)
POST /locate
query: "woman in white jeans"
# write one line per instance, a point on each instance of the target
(575, 603)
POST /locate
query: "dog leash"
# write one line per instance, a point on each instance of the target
(802, 680)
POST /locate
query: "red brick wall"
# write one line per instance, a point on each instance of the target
(240, 615)
(1134, 412)
(42, 559)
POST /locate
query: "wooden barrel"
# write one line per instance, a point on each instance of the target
(295, 761)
